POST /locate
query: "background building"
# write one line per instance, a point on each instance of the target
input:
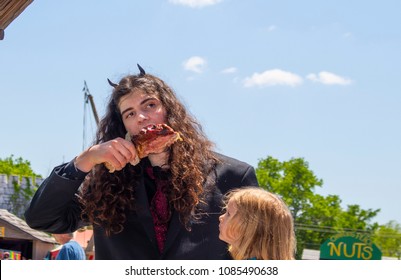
(22, 241)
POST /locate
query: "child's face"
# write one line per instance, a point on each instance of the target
(225, 220)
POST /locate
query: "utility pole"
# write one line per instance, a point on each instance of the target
(89, 98)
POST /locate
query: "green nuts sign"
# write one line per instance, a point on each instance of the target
(349, 247)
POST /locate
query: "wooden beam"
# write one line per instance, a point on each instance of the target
(10, 10)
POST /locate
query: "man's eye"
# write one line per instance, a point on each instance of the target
(130, 115)
(151, 105)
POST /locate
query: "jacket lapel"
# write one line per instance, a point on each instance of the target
(173, 229)
(143, 212)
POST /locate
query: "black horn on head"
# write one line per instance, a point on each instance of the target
(141, 70)
(112, 84)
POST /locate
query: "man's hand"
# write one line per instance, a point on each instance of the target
(115, 154)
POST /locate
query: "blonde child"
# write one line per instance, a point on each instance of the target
(257, 225)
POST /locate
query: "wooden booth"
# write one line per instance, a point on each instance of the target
(22, 242)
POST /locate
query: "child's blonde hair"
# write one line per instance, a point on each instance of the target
(262, 226)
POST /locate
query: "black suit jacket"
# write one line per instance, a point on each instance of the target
(54, 209)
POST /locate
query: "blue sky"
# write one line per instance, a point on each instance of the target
(312, 79)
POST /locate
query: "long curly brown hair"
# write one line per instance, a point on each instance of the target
(107, 197)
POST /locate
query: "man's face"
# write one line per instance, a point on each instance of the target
(139, 109)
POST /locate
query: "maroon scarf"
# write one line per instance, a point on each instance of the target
(159, 206)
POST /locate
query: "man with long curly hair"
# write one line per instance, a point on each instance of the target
(165, 207)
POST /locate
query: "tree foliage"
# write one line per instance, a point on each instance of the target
(21, 195)
(16, 166)
(291, 179)
(388, 238)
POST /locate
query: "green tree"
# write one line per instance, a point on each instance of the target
(292, 179)
(356, 218)
(326, 218)
(316, 223)
(16, 166)
(388, 238)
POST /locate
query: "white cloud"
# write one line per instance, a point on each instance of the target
(328, 78)
(229, 70)
(195, 64)
(272, 78)
(195, 3)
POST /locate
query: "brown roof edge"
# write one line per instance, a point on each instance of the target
(16, 222)
(9, 11)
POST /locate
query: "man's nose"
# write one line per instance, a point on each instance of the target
(142, 117)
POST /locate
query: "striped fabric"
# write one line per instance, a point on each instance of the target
(14, 255)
